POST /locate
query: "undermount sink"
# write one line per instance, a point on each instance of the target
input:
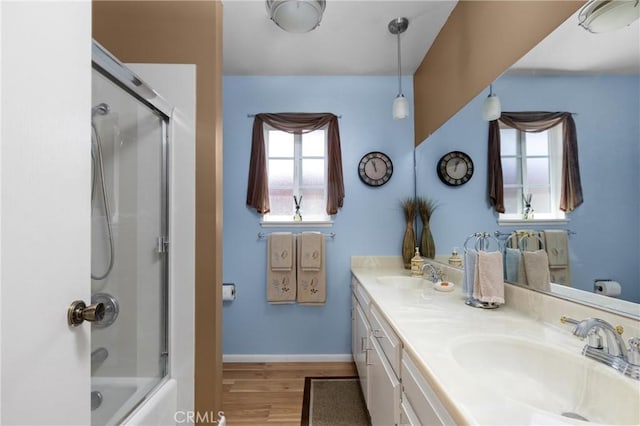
(550, 379)
(402, 281)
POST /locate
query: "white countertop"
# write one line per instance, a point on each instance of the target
(430, 323)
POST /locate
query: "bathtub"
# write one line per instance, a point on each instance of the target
(139, 401)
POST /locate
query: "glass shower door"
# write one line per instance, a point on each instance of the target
(129, 265)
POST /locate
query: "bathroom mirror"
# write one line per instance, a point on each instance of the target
(565, 72)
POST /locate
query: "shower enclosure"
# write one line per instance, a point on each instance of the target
(129, 228)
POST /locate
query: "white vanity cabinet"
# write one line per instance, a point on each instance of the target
(360, 331)
(420, 404)
(376, 352)
(395, 391)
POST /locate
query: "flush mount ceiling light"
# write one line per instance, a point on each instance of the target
(491, 109)
(400, 103)
(296, 16)
(600, 16)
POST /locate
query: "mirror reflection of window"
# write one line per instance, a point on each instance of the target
(532, 172)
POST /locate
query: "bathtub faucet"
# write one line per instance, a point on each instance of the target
(615, 354)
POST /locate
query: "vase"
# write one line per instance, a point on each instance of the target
(408, 244)
(427, 245)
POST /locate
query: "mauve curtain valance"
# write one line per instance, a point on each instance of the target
(258, 186)
(537, 121)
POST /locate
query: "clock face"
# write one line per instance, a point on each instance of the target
(375, 168)
(455, 168)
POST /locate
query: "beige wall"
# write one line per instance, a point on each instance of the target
(479, 41)
(186, 32)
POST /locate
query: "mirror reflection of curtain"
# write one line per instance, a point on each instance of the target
(537, 121)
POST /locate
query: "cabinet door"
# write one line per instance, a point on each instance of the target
(421, 397)
(361, 345)
(384, 406)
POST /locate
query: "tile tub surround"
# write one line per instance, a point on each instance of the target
(430, 322)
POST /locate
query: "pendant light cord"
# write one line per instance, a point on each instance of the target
(399, 68)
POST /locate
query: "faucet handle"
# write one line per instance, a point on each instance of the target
(567, 320)
(634, 351)
(594, 339)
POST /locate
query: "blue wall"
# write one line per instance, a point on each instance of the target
(370, 223)
(606, 244)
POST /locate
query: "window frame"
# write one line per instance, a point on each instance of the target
(323, 219)
(554, 140)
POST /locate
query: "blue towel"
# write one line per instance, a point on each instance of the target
(512, 264)
(470, 257)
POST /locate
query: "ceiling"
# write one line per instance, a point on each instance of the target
(571, 49)
(353, 39)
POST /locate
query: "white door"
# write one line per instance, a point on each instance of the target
(45, 88)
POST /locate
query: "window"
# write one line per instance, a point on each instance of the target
(296, 166)
(532, 169)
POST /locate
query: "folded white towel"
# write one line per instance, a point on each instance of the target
(311, 251)
(489, 283)
(312, 286)
(557, 245)
(536, 265)
(281, 251)
(281, 274)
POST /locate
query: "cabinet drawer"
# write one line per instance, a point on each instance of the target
(382, 332)
(360, 293)
(408, 417)
(425, 403)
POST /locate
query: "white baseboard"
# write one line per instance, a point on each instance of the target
(287, 358)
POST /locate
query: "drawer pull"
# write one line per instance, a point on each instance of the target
(378, 334)
(362, 344)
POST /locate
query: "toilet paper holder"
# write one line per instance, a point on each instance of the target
(228, 292)
(606, 286)
(597, 286)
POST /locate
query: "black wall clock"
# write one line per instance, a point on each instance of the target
(375, 168)
(455, 168)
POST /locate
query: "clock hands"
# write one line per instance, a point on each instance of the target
(455, 165)
(375, 169)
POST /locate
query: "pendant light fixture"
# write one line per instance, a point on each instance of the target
(601, 16)
(491, 109)
(296, 16)
(400, 103)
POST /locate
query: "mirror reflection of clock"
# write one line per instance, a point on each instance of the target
(456, 168)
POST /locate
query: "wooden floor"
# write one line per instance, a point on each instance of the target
(271, 393)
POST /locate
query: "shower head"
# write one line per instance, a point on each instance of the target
(100, 109)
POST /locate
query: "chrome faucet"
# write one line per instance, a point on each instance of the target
(615, 354)
(434, 274)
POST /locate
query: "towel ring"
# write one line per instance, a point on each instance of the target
(524, 237)
(474, 235)
(486, 238)
(480, 239)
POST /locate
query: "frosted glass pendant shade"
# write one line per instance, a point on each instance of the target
(400, 107)
(296, 16)
(491, 109)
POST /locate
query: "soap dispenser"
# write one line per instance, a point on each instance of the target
(455, 258)
(417, 262)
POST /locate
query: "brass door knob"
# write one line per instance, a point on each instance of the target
(79, 312)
